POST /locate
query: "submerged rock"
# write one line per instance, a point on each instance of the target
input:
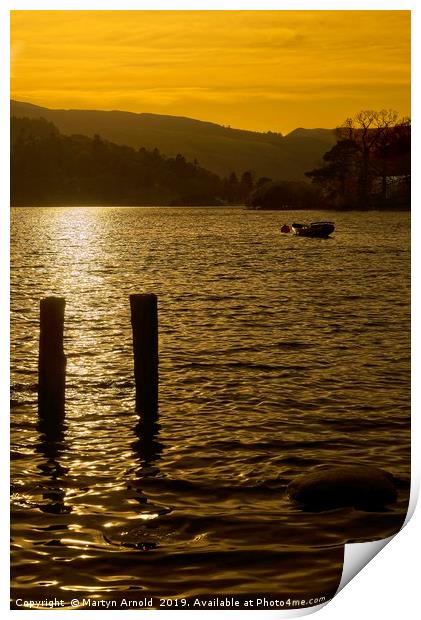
(360, 486)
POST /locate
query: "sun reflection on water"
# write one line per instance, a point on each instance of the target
(254, 388)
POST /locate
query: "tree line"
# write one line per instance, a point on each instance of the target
(368, 167)
(48, 167)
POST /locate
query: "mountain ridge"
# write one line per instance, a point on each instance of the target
(218, 148)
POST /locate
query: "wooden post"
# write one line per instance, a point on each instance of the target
(51, 360)
(144, 317)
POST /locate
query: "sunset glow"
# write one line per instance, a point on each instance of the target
(264, 70)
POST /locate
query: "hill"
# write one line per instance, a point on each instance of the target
(49, 168)
(219, 149)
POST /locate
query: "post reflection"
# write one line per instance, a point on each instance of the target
(51, 444)
(147, 448)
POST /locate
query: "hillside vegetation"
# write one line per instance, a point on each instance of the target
(48, 167)
(220, 149)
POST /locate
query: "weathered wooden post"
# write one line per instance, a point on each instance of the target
(144, 317)
(51, 360)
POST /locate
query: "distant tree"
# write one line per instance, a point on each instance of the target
(246, 184)
(391, 156)
(232, 191)
(367, 129)
(247, 180)
(263, 181)
(337, 178)
(371, 146)
(284, 195)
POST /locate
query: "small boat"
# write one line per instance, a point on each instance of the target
(315, 229)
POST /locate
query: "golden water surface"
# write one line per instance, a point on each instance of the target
(277, 353)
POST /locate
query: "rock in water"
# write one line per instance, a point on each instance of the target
(360, 486)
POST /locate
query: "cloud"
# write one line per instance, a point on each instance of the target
(197, 59)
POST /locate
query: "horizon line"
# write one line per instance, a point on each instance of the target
(199, 120)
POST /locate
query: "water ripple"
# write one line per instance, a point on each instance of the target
(276, 354)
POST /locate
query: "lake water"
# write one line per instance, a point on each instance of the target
(277, 353)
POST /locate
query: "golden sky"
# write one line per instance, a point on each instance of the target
(263, 70)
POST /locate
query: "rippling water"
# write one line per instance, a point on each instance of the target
(277, 353)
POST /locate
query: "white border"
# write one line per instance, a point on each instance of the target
(314, 5)
(389, 584)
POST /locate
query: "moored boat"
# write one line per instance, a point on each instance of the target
(315, 229)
